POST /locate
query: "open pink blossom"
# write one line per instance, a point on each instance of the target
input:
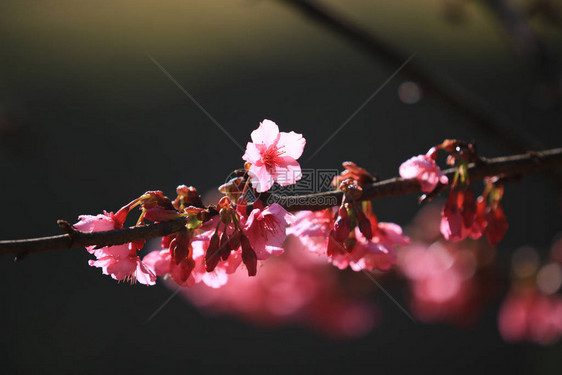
(265, 228)
(98, 223)
(273, 156)
(424, 169)
(312, 229)
(120, 261)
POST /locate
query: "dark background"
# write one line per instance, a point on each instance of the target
(88, 122)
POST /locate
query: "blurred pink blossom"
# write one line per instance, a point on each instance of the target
(527, 315)
(442, 283)
(297, 288)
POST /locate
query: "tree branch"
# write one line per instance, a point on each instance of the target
(507, 165)
(83, 239)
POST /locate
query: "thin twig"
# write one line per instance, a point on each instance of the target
(522, 164)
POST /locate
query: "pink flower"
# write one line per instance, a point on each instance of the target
(442, 282)
(297, 288)
(377, 253)
(530, 316)
(99, 223)
(265, 228)
(273, 156)
(424, 169)
(120, 261)
(313, 229)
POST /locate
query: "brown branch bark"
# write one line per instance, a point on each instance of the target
(508, 165)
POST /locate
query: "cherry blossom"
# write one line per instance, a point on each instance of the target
(313, 230)
(209, 244)
(424, 169)
(527, 315)
(120, 261)
(273, 156)
(377, 253)
(442, 283)
(265, 229)
(298, 288)
(98, 223)
(262, 233)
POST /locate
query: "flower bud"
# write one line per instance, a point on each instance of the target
(186, 266)
(364, 224)
(334, 247)
(180, 247)
(497, 225)
(188, 196)
(161, 214)
(224, 246)
(212, 256)
(467, 207)
(342, 226)
(234, 241)
(120, 217)
(233, 188)
(249, 256)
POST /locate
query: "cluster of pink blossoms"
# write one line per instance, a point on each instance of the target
(218, 240)
(462, 215)
(350, 236)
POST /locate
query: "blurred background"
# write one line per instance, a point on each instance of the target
(89, 122)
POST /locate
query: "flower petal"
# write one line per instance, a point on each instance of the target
(288, 171)
(144, 274)
(267, 133)
(262, 180)
(252, 154)
(292, 144)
